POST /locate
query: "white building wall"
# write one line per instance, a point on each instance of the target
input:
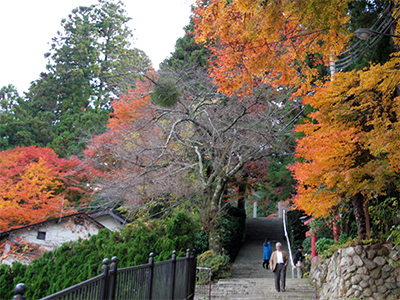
(56, 235)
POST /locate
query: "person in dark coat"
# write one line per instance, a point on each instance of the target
(298, 262)
(267, 253)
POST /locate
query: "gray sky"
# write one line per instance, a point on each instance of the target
(27, 26)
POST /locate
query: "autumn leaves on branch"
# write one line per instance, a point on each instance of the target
(278, 42)
(350, 148)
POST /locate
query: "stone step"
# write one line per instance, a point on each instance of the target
(256, 288)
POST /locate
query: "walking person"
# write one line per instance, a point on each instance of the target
(267, 253)
(278, 263)
(298, 262)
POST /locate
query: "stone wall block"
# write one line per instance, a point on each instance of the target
(347, 284)
(371, 254)
(390, 286)
(394, 255)
(390, 280)
(346, 261)
(380, 261)
(376, 246)
(383, 251)
(388, 246)
(350, 292)
(363, 271)
(350, 251)
(379, 282)
(375, 273)
(385, 275)
(364, 284)
(351, 268)
(369, 264)
(382, 289)
(356, 279)
(396, 292)
(359, 249)
(358, 261)
(366, 277)
(367, 292)
(387, 268)
(387, 294)
(371, 282)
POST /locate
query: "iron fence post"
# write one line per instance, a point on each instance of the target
(113, 277)
(192, 277)
(173, 270)
(104, 287)
(151, 265)
(19, 290)
(188, 271)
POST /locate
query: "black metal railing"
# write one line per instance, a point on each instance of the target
(171, 279)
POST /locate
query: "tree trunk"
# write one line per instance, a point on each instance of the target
(367, 221)
(358, 206)
(215, 237)
(242, 193)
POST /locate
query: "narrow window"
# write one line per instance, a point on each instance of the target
(41, 235)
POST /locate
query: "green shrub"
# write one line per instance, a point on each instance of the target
(219, 265)
(200, 242)
(307, 245)
(233, 230)
(323, 244)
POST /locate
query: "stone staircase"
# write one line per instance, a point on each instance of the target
(248, 279)
(261, 288)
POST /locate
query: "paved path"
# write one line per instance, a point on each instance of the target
(249, 280)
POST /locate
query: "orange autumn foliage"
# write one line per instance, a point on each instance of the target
(352, 141)
(36, 184)
(131, 112)
(270, 41)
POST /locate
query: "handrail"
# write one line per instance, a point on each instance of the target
(288, 242)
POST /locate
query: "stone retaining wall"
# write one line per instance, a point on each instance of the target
(361, 272)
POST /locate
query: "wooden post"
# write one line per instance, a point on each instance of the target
(313, 249)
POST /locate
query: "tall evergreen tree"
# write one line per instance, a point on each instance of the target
(90, 62)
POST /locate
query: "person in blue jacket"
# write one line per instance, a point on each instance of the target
(267, 253)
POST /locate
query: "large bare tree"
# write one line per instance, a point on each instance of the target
(192, 138)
